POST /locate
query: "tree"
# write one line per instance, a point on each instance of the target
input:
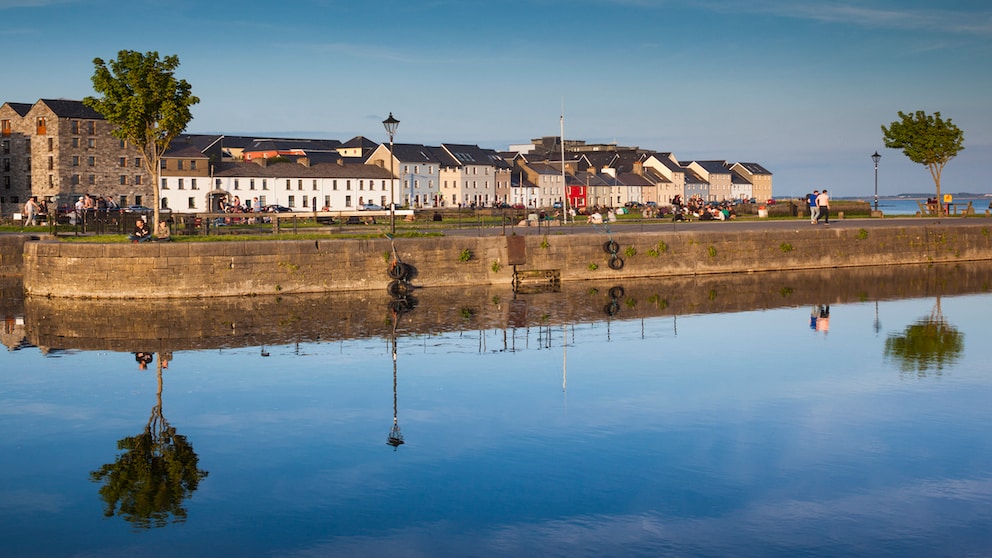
(927, 140)
(147, 105)
(928, 343)
(153, 476)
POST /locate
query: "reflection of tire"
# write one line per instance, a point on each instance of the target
(616, 263)
(611, 247)
(399, 305)
(612, 308)
(616, 292)
(399, 270)
(398, 289)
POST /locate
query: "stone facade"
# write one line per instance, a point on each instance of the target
(61, 149)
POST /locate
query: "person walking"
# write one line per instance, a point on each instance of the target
(823, 204)
(31, 212)
(814, 211)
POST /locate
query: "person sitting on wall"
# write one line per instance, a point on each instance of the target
(162, 232)
(141, 232)
(143, 359)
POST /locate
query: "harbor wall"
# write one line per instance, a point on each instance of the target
(238, 268)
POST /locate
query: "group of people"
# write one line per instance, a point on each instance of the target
(698, 208)
(819, 207)
(142, 233)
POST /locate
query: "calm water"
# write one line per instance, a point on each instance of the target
(727, 434)
(910, 207)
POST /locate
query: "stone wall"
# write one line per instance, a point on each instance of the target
(182, 270)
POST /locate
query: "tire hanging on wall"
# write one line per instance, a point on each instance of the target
(616, 292)
(616, 263)
(399, 270)
(611, 246)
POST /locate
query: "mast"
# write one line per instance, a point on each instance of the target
(564, 183)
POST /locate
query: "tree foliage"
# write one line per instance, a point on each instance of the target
(152, 476)
(147, 104)
(930, 343)
(928, 140)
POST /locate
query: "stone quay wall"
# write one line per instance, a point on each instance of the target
(238, 268)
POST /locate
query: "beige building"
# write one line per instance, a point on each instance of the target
(60, 149)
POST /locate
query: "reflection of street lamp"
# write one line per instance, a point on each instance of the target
(391, 124)
(875, 157)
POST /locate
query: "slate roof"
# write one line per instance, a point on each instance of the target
(67, 108)
(295, 170)
(713, 167)
(200, 142)
(20, 108)
(754, 168)
(415, 153)
(692, 178)
(361, 141)
(467, 154)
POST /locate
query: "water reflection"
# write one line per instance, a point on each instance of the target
(156, 471)
(928, 344)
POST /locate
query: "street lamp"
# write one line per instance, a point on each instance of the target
(391, 124)
(875, 157)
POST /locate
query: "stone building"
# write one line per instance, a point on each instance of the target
(59, 149)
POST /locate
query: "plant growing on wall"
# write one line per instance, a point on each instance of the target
(465, 256)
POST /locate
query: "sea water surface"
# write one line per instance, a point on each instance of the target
(840, 425)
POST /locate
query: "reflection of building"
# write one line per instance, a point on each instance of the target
(14, 336)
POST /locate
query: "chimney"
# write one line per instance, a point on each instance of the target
(341, 161)
(305, 161)
(639, 168)
(261, 161)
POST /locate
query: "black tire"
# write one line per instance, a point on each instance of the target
(400, 306)
(611, 247)
(616, 292)
(612, 308)
(399, 270)
(616, 263)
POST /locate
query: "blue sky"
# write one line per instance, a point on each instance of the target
(800, 87)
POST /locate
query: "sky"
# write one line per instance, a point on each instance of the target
(801, 87)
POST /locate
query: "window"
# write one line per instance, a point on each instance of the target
(91, 127)
(192, 184)
(91, 143)
(122, 201)
(265, 184)
(91, 161)
(137, 162)
(181, 185)
(165, 183)
(137, 200)
(192, 165)
(305, 201)
(237, 184)
(5, 127)
(288, 187)
(123, 161)
(347, 185)
(74, 180)
(137, 179)
(291, 202)
(75, 142)
(191, 202)
(6, 146)
(299, 184)
(6, 183)
(251, 184)
(75, 160)
(74, 127)
(314, 184)
(179, 164)
(51, 143)
(361, 185)
(6, 165)
(327, 202)
(347, 201)
(261, 201)
(91, 179)
(334, 185)
(164, 203)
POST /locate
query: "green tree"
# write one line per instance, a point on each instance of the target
(927, 140)
(147, 105)
(928, 343)
(156, 471)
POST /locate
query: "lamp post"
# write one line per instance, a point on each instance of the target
(391, 124)
(875, 157)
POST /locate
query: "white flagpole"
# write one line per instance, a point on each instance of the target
(564, 183)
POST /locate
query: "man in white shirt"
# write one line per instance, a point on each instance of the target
(823, 204)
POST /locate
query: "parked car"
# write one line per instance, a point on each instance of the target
(370, 207)
(138, 209)
(277, 209)
(519, 206)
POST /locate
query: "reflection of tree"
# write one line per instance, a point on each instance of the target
(152, 476)
(929, 343)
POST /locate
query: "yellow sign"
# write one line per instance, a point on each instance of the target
(948, 198)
